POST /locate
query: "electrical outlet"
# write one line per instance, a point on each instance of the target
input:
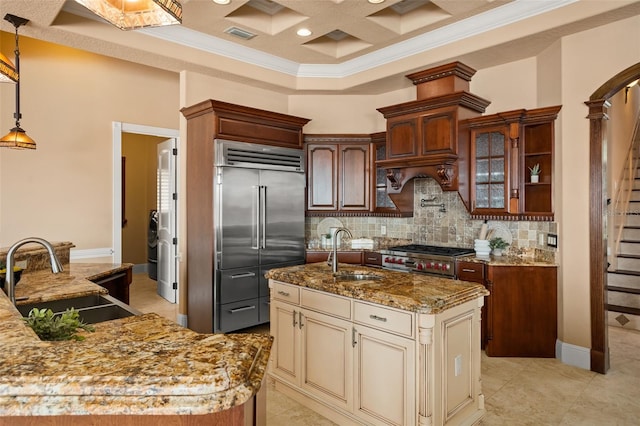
(552, 240)
(383, 230)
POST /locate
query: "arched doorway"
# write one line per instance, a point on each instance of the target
(598, 105)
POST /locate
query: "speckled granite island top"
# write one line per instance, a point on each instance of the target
(411, 292)
(138, 365)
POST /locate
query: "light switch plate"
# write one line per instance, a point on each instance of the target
(541, 238)
(552, 240)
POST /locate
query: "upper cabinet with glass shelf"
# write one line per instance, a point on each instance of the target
(502, 149)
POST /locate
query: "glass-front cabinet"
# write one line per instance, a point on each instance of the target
(503, 149)
(382, 201)
(489, 170)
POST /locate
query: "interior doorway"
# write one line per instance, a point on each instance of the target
(145, 182)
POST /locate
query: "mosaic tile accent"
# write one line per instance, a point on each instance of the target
(453, 228)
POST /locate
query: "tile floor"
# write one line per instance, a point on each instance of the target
(518, 391)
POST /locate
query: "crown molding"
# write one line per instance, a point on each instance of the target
(478, 24)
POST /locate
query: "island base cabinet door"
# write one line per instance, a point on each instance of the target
(385, 378)
(326, 357)
(285, 356)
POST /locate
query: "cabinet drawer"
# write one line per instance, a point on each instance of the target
(383, 318)
(238, 284)
(237, 315)
(372, 258)
(326, 303)
(286, 293)
(470, 271)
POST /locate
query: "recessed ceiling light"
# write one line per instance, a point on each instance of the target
(304, 32)
(375, 1)
(222, 1)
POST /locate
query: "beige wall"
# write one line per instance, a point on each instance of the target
(62, 191)
(140, 152)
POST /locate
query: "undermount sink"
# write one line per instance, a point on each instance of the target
(355, 276)
(92, 309)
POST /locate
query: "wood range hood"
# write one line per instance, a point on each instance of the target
(423, 137)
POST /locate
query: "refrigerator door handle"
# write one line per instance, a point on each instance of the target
(256, 220)
(263, 211)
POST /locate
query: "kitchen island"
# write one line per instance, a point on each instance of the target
(140, 370)
(377, 347)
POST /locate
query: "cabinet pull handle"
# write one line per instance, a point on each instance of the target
(353, 337)
(294, 319)
(244, 275)
(372, 258)
(468, 270)
(300, 319)
(283, 293)
(377, 318)
(244, 308)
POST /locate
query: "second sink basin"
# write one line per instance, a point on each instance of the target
(92, 309)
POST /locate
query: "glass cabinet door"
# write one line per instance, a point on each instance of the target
(382, 200)
(490, 170)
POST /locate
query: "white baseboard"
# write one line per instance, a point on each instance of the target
(573, 355)
(106, 252)
(182, 320)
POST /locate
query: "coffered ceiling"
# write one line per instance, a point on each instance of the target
(355, 46)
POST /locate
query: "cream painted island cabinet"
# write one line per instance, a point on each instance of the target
(388, 348)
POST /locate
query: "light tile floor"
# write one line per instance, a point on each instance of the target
(518, 391)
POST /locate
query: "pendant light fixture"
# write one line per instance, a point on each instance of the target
(17, 137)
(8, 73)
(132, 14)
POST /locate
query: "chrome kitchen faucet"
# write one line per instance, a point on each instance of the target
(9, 281)
(333, 255)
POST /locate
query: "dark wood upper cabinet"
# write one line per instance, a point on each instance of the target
(322, 177)
(501, 150)
(338, 173)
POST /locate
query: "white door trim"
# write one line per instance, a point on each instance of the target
(118, 128)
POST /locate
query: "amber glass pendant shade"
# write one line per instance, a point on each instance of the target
(8, 73)
(17, 138)
(129, 15)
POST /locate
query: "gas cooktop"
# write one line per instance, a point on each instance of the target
(434, 250)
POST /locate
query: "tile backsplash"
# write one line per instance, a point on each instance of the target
(429, 225)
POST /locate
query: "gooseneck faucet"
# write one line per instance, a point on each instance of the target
(9, 281)
(333, 256)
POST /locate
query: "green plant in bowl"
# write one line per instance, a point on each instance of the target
(52, 327)
(497, 244)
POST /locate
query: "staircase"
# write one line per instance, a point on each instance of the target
(623, 277)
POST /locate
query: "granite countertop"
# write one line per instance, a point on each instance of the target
(411, 292)
(510, 260)
(138, 365)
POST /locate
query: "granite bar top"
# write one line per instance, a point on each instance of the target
(137, 365)
(411, 292)
(73, 281)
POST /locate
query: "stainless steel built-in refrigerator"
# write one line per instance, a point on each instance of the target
(259, 224)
